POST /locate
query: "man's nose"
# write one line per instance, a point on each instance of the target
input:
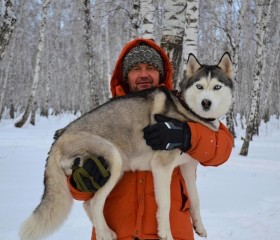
(143, 72)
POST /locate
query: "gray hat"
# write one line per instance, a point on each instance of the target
(142, 53)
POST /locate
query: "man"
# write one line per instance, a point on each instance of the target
(130, 209)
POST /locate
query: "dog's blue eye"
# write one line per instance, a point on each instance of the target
(199, 86)
(217, 87)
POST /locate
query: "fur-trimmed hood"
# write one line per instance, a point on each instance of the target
(118, 87)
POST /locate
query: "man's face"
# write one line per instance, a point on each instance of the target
(143, 76)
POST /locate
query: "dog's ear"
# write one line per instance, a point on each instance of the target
(225, 64)
(192, 66)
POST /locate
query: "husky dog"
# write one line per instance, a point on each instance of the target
(206, 95)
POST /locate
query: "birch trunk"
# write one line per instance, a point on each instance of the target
(258, 68)
(265, 28)
(229, 27)
(52, 58)
(267, 98)
(213, 39)
(30, 102)
(191, 29)
(190, 44)
(6, 31)
(4, 86)
(148, 12)
(7, 27)
(12, 110)
(135, 19)
(236, 46)
(88, 36)
(33, 114)
(45, 108)
(236, 50)
(230, 47)
(173, 33)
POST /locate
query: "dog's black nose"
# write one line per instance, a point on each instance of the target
(206, 104)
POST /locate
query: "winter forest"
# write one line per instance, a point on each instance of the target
(58, 56)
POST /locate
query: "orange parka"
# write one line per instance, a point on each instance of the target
(130, 209)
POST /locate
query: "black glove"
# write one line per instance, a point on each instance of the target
(92, 175)
(168, 134)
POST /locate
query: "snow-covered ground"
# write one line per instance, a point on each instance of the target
(240, 200)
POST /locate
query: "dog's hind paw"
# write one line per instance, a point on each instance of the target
(165, 235)
(200, 230)
(106, 235)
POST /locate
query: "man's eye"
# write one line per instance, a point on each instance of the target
(198, 86)
(135, 69)
(151, 67)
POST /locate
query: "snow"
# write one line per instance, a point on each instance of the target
(240, 200)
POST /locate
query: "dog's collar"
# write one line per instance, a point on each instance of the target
(186, 106)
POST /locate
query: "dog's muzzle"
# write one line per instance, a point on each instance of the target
(206, 104)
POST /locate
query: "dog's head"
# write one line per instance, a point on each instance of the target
(208, 89)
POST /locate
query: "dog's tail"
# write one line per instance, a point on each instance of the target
(55, 205)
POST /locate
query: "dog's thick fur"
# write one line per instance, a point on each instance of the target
(115, 131)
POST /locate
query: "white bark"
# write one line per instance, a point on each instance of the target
(135, 19)
(274, 60)
(191, 29)
(173, 33)
(90, 59)
(148, 12)
(230, 49)
(229, 27)
(213, 24)
(52, 59)
(4, 86)
(190, 44)
(37, 66)
(235, 54)
(7, 27)
(174, 17)
(262, 20)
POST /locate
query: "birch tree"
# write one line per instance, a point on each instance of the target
(274, 60)
(4, 86)
(148, 12)
(235, 44)
(173, 33)
(30, 103)
(135, 19)
(267, 98)
(191, 29)
(266, 16)
(190, 44)
(230, 113)
(6, 31)
(263, 12)
(7, 27)
(52, 58)
(90, 57)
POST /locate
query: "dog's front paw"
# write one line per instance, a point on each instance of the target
(106, 235)
(199, 229)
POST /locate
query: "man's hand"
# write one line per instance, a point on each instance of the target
(168, 134)
(92, 175)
